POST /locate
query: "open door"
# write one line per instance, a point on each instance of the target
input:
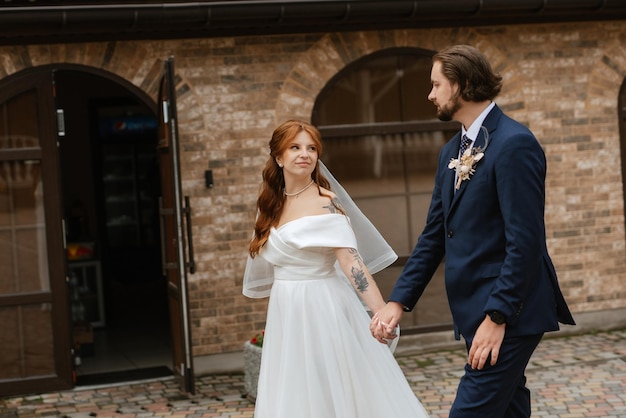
(35, 352)
(175, 230)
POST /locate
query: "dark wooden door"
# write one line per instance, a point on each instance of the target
(175, 230)
(35, 340)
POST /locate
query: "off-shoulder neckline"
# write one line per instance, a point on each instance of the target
(306, 217)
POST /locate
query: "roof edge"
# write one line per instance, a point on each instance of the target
(171, 20)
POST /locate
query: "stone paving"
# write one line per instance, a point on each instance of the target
(569, 377)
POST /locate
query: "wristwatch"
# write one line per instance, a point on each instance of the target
(497, 317)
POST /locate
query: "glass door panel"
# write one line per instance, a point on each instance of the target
(30, 357)
(23, 254)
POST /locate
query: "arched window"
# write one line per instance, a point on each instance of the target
(381, 140)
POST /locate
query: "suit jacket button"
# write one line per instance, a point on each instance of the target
(450, 234)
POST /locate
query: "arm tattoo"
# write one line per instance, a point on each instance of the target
(356, 256)
(358, 274)
(335, 206)
(359, 279)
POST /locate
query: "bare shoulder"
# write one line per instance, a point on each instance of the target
(310, 204)
(331, 202)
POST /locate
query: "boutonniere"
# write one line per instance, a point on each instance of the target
(464, 166)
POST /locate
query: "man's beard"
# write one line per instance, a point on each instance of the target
(446, 112)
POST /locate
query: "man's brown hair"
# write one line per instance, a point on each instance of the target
(468, 67)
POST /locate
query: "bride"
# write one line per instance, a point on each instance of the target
(313, 253)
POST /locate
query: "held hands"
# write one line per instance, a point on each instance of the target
(384, 322)
(487, 342)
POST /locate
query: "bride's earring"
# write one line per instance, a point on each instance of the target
(279, 164)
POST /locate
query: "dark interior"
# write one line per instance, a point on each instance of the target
(110, 188)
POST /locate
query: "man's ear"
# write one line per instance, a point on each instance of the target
(455, 89)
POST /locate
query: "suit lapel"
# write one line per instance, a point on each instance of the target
(482, 141)
(448, 176)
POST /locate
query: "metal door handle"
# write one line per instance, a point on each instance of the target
(187, 209)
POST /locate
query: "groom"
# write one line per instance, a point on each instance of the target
(487, 218)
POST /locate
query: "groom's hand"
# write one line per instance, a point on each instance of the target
(384, 322)
(486, 344)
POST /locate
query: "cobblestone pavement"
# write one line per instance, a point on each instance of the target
(569, 377)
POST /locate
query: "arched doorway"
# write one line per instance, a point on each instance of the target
(110, 189)
(83, 293)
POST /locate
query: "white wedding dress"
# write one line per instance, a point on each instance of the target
(319, 359)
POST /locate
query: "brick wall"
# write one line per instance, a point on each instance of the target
(562, 80)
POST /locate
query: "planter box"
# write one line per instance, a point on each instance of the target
(252, 364)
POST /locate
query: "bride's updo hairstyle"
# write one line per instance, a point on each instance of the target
(271, 198)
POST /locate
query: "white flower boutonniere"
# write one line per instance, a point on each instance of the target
(464, 166)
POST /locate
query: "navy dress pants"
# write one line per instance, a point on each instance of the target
(497, 391)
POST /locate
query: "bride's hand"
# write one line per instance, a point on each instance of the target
(386, 320)
(377, 329)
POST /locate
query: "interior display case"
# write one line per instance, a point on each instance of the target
(129, 174)
(86, 295)
(129, 200)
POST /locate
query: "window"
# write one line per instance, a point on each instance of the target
(381, 140)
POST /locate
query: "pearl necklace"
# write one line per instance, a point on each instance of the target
(297, 194)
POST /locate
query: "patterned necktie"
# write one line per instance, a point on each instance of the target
(465, 142)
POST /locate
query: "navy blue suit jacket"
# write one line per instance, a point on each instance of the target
(492, 234)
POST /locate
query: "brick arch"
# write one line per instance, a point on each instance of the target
(143, 70)
(335, 51)
(607, 82)
(608, 74)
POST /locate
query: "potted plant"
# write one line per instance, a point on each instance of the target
(252, 363)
